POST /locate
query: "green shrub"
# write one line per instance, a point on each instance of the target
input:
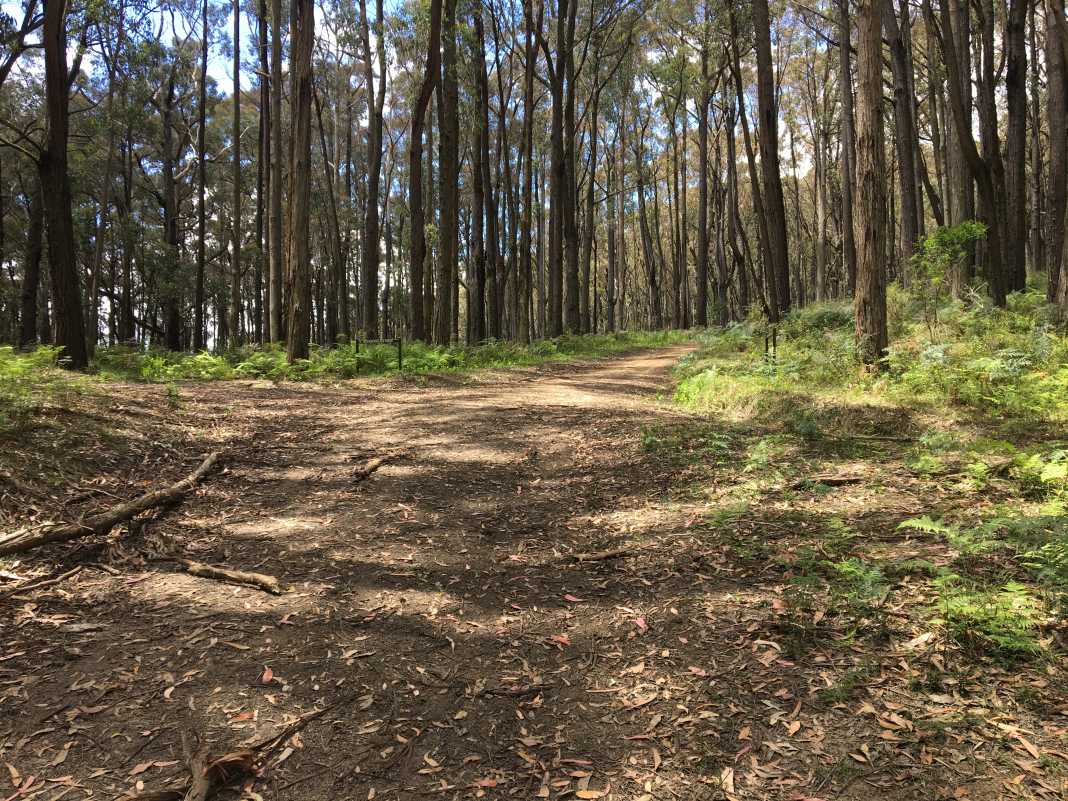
(29, 381)
(997, 621)
(348, 360)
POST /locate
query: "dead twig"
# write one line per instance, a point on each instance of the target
(27, 538)
(36, 585)
(609, 553)
(208, 775)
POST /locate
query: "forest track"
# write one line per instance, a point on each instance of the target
(502, 575)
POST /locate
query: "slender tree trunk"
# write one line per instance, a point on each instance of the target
(870, 298)
(55, 186)
(768, 297)
(703, 101)
(588, 231)
(298, 269)
(904, 129)
(337, 257)
(448, 158)
(569, 196)
(202, 182)
(31, 269)
(235, 221)
(774, 205)
(529, 67)
(977, 165)
(263, 158)
(1057, 120)
(610, 221)
(1038, 239)
(105, 193)
(849, 156)
(959, 171)
(415, 174)
(493, 274)
(476, 273)
(276, 333)
(375, 101)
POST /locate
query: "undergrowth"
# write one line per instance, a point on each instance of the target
(349, 360)
(971, 405)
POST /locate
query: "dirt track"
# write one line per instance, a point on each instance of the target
(427, 535)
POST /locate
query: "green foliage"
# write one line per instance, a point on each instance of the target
(936, 255)
(29, 382)
(859, 584)
(350, 360)
(1001, 621)
(1010, 362)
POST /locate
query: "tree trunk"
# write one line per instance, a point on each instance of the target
(263, 158)
(589, 216)
(1057, 117)
(904, 131)
(202, 182)
(415, 174)
(448, 158)
(529, 67)
(375, 101)
(55, 186)
(774, 205)
(849, 155)
(235, 221)
(870, 299)
(703, 101)
(977, 165)
(298, 270)
(959, 172)
(476, 273)
(31, 270)
(276, 333)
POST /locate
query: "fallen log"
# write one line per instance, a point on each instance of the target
(26, 538)
(262, 580)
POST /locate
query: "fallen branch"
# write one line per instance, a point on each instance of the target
(262, 580)
(600, 556)
(829, 480)
(210, 775)
(36, 585)
(364, 471)
(27, 538)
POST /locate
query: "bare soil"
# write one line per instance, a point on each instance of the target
(505, 593)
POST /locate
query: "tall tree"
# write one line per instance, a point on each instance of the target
(774, 204)
(849, 155)
(235, 219)
(375, 103)
(202, 182)
(415, 173)
(448, 158)
(869, 214)
(1057, 120)
(276, 269)
(55, 186)
(298, 269)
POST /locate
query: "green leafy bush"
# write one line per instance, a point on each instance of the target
(1010, 362)
(999, 621)
(29, 381)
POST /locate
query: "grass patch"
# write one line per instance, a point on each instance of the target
(963, 429)
(31, 383)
